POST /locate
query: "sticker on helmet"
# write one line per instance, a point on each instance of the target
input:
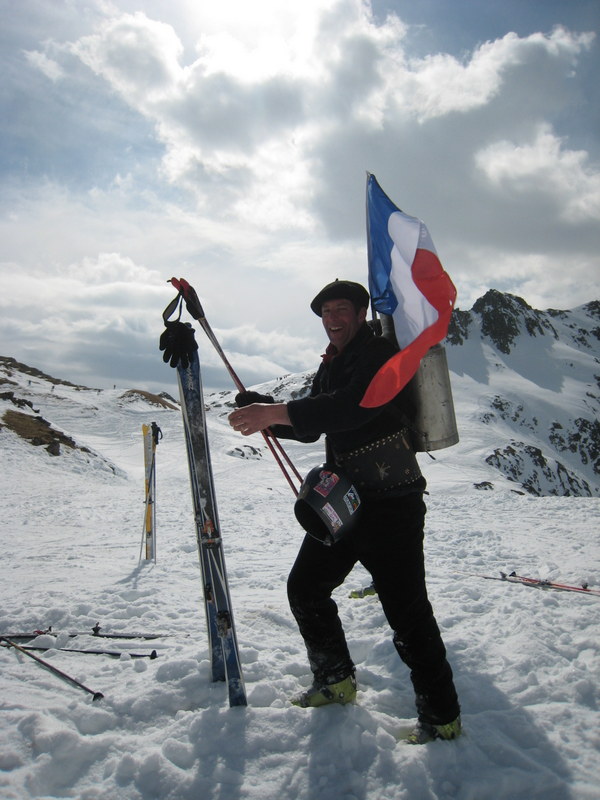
(327, 481)
(333, 517)
(352, 500)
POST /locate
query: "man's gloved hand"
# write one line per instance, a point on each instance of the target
(247, 398)
(179, 343)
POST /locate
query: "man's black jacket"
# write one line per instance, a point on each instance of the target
(338, 387)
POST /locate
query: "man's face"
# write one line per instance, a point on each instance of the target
(341, 321)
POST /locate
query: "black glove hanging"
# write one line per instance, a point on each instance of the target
(247, 398)
(179, 343)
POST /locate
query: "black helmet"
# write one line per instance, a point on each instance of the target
(327, 505)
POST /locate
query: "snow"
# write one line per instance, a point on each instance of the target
(525, 660)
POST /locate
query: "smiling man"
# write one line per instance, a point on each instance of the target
(341, 321)
(372, 445)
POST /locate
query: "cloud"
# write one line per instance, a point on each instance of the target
(440, 84)
(297, 352)
(228, 144)
(138, 56)
(50, 68)
(275, 145)
(544, 165)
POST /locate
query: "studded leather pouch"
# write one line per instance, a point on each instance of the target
(384, 464)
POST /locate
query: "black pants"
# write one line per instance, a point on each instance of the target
(389, 543)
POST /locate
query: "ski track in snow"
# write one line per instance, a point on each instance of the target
(525, 660)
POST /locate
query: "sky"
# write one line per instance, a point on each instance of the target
(228, 144)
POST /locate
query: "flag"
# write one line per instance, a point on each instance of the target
(408, 282)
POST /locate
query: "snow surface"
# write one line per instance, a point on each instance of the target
(525, 660)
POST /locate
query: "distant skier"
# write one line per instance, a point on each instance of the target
(373, 444)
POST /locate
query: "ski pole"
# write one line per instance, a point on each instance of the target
(268, 435)
(195, 308)
(51, 668)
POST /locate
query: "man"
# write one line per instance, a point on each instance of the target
(388, 537)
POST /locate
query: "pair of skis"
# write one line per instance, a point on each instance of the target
(512, 577)
(223, 647)
(540, 583)
(152, 434)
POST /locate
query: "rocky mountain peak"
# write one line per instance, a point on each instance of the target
(501, 318)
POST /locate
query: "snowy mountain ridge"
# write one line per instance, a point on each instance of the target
(538, 376)
(526, 392)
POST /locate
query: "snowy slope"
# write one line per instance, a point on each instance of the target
(535, 379)
(525, 660)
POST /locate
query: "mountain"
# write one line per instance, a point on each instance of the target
(532, 379)
(525, 384)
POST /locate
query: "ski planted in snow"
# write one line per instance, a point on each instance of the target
(151, 436)
(540, 583)
(224, 653)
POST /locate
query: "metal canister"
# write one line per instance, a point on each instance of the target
(431, 393)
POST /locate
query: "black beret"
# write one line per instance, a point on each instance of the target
(341, 290)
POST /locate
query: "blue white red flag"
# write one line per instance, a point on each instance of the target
(408, 282)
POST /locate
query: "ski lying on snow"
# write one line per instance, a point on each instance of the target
(95, 632)
(223, 648)
(539, 583)
(115, 653)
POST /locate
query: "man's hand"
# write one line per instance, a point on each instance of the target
(258, 417)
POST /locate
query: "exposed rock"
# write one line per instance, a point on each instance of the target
(537, 474)
(583, 438)
(37, 430)
(505, 316)
(507, 410)
(246, 451)
(20, 402)
(458, 330)
(131, 395)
